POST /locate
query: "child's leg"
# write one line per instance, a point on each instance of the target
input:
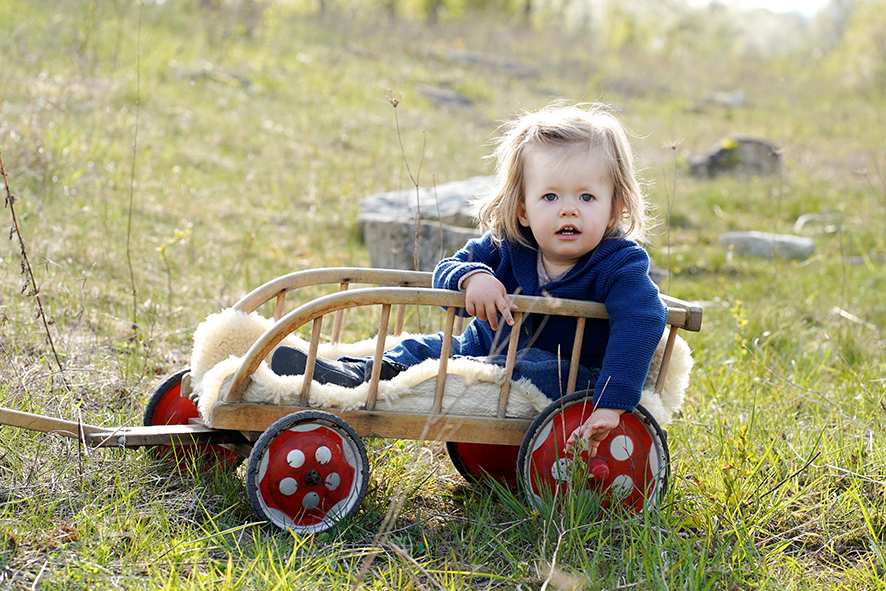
(353, 371)
(413, 351)
(548, 372)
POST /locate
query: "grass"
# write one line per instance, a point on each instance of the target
(257, 137)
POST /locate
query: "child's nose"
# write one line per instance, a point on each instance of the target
(569, 209)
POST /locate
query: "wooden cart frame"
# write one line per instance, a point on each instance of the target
(242, 426)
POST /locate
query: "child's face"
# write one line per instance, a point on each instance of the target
(568, 203)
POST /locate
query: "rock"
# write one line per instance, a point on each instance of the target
(740, 155)
(444, 97)
(449, 202)
(762, 244)
(391, 242)
(387, 221)
(728, 100)
(506, 65)
(829, 222)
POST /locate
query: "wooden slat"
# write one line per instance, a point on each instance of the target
(279, 307)
(305, 393)
(377, 358)
(337, 319)
(689, 319)
(445, 351)
(185, 388)
(327, 276)
(576, 354)
(665, 360)
(509, 365)
(473, 429)
(401, 319)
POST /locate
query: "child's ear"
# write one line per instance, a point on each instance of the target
(613, 217)
(521, 215)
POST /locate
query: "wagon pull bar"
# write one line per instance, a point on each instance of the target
(174, 435)
(35, 422)
(190, 434)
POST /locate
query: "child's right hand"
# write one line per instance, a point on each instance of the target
(485, 296)
(595, 429)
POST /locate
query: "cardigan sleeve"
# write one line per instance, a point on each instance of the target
(637, 320)
(479, 254)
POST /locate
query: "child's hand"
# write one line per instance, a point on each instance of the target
(485, 296)
(595, 429)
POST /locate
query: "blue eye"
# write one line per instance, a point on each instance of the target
(587, 197)
(550, 197)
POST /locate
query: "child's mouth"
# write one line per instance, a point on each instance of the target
(568, 231)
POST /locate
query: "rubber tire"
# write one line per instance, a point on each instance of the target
(166, 406)
(618, 475)
(480, 462)
(273, 480)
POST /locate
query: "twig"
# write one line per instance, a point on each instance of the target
(671, 198)
(138, 78)
(30, 280)
(395, 101)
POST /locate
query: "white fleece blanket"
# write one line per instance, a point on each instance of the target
(472, 387)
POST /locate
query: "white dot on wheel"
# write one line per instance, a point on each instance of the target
(295, 458)
(621, 447)
(621, 486)
(560, 469)
(288, 486)
(323, 455)
(332, 481)
(310, 501)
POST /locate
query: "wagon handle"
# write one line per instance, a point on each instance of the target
(44, 424)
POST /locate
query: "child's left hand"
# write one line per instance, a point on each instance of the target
(595, 429)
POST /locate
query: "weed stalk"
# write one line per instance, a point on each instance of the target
(28, 272)
(138, 69)
(395, 101)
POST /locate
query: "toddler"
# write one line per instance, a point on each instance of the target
(564, 221)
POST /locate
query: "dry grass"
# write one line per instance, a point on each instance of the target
(254, 167)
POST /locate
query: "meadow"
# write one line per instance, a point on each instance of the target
(166, 159)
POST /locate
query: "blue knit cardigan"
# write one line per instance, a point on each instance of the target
(615, 273)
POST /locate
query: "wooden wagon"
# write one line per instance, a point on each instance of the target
(307, 467)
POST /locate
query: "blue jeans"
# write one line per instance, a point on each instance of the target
(537, 365)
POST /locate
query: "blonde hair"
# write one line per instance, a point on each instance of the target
(593, 125)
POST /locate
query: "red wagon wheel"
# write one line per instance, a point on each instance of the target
(307, 472)
(630, 468)
(167, 407)
(478, 462)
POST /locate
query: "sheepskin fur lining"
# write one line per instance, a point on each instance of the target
(472, 387)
